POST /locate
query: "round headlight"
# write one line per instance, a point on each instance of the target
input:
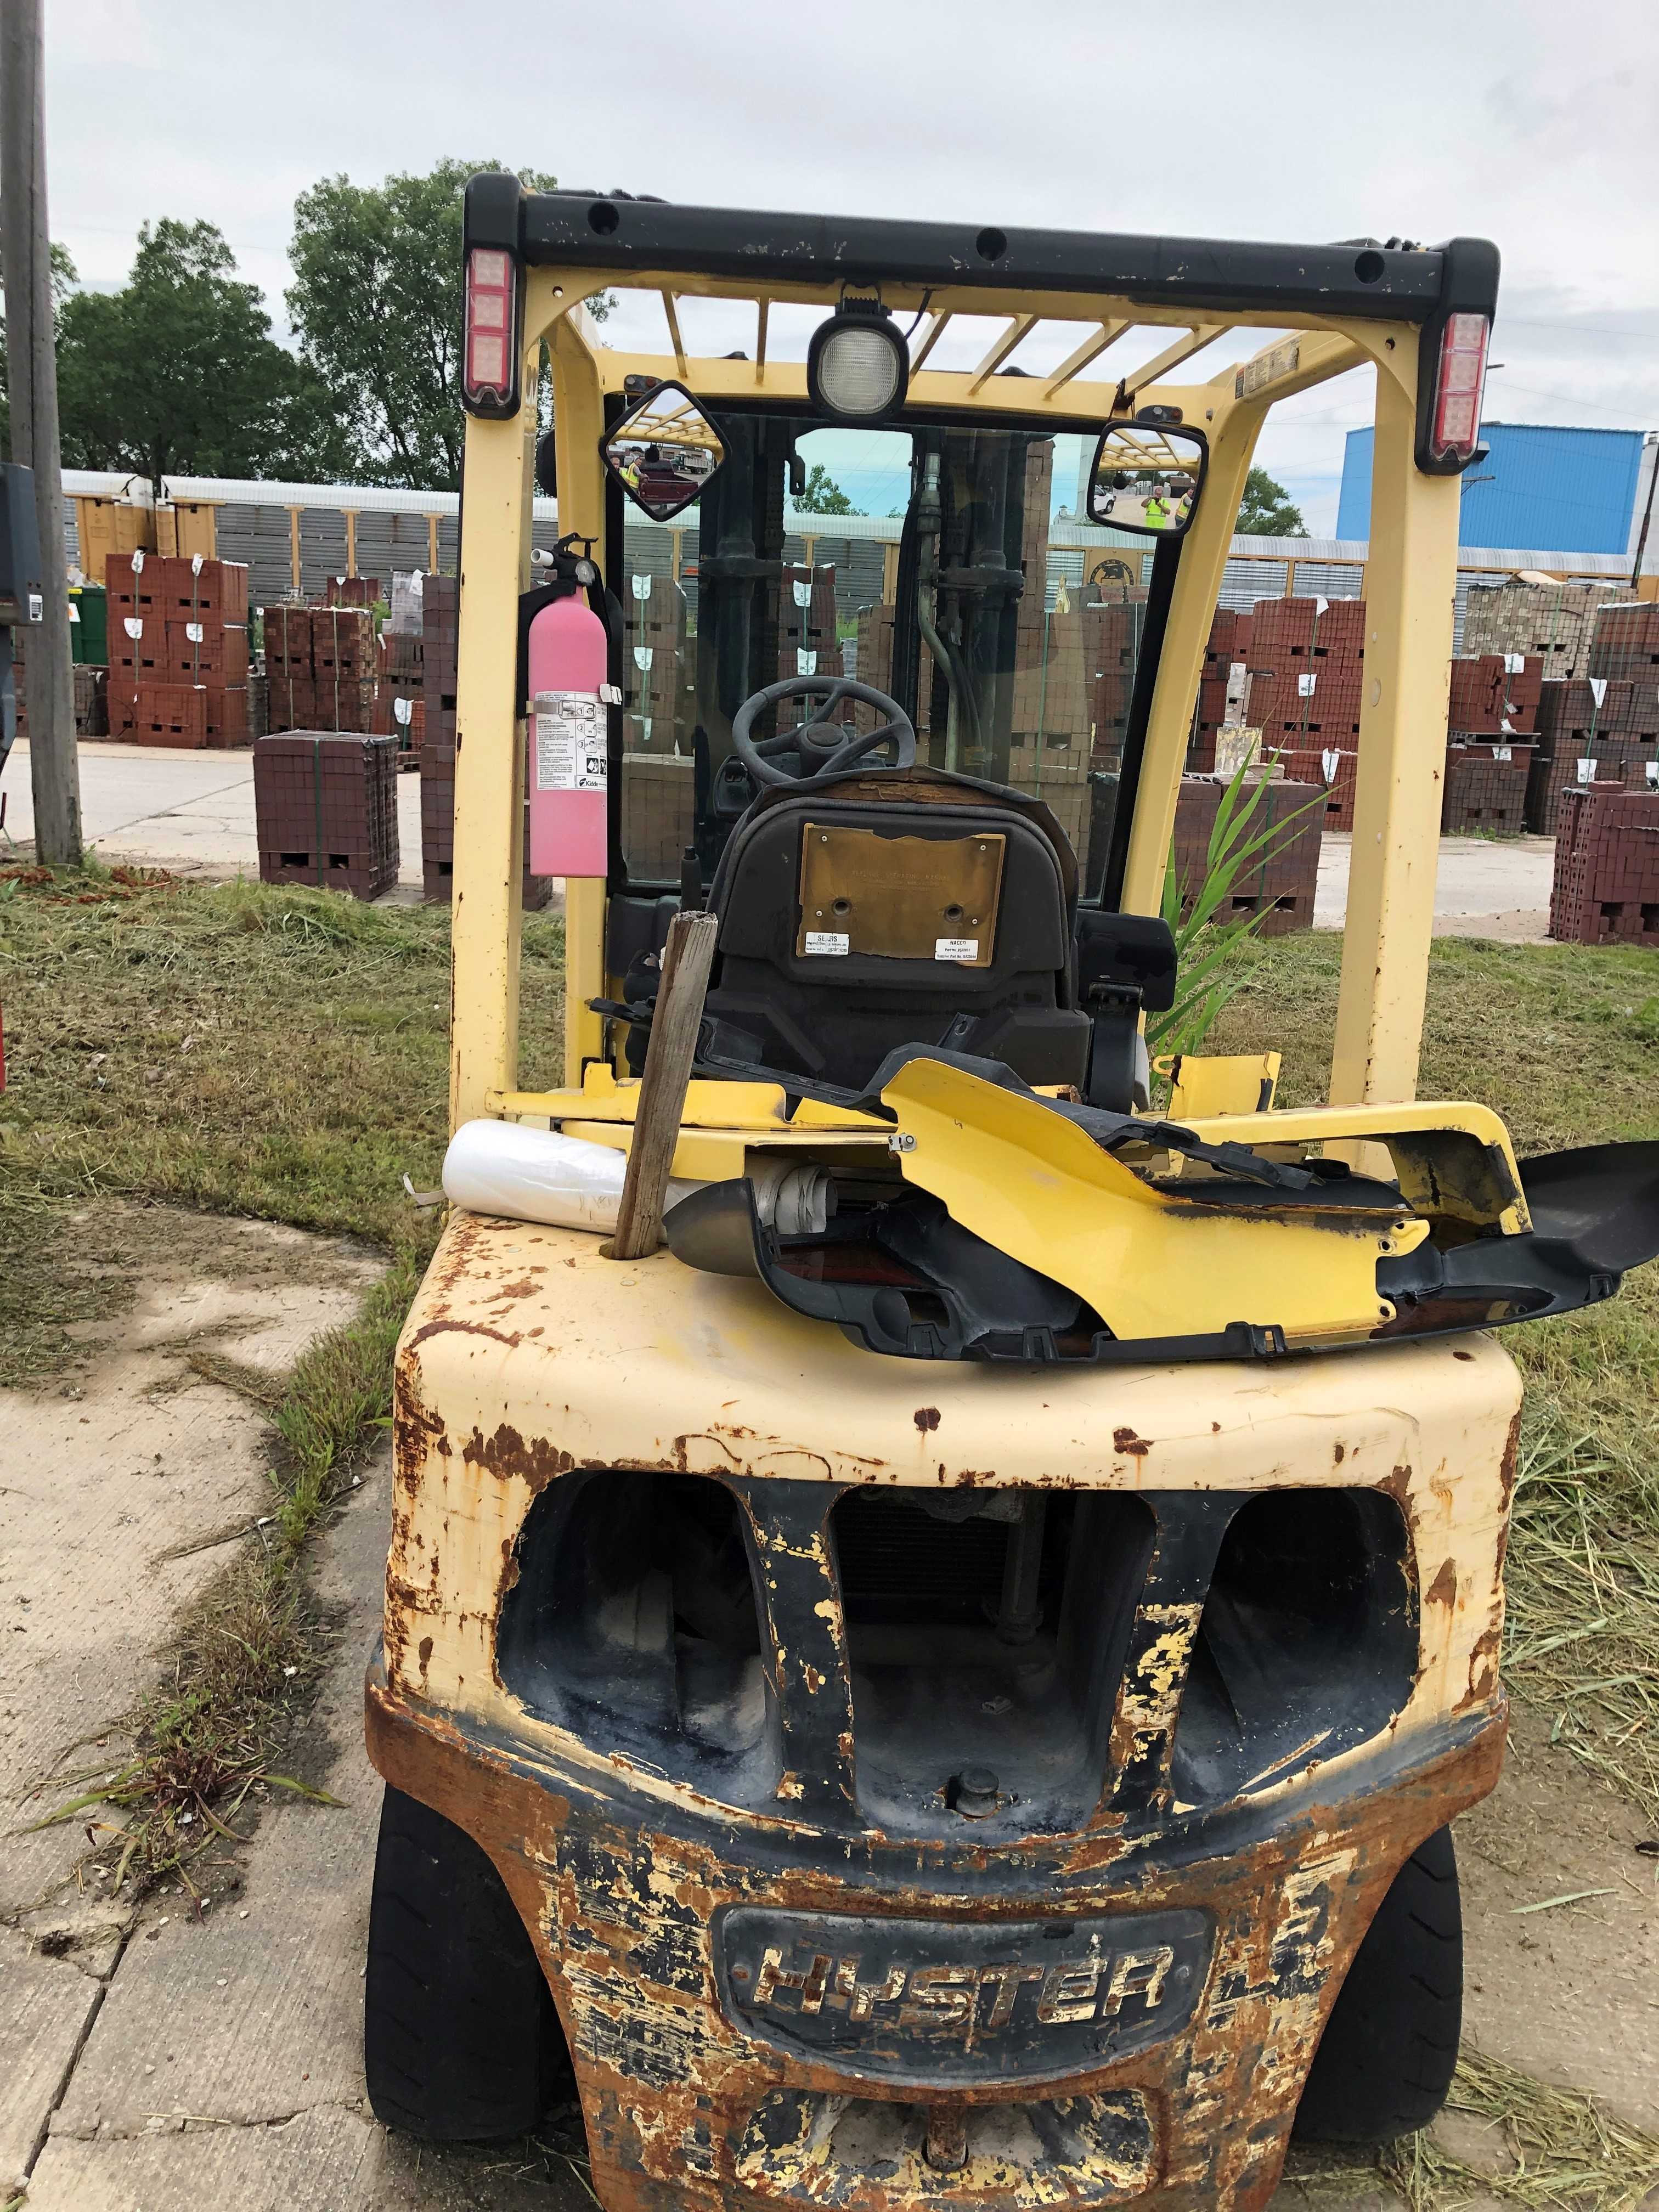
(858, 364)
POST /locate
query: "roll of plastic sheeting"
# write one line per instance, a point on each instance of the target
(531, 1174)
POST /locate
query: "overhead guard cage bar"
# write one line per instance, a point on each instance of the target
(1345, 307)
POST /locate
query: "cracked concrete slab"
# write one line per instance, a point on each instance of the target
(114, 1473)
(319, 2160)
(113, 1479)
(252, 2013)
(46, 2008)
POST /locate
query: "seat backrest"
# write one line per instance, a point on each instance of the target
(896, 906)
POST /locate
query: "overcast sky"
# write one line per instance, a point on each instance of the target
(1528, 121)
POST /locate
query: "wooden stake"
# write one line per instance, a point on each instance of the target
(686, 960)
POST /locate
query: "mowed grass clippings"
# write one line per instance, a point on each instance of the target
(1563, 1041)
(240, 1048)
(1564, 2153)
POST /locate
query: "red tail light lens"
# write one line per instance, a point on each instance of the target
(1459, 387)
(491, 327)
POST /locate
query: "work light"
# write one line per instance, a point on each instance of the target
(858, 365)
(490, 374)
(1459, 386)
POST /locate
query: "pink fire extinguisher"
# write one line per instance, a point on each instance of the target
(569, 775)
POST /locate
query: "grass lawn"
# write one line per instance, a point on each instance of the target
(283, 1053)
(1563, 1041)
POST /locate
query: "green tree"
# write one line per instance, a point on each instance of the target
(1267, 509)
(63, 282)
(177, 374)
(376, 302)
(823, 495)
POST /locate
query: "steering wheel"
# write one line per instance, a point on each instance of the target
(814, 754)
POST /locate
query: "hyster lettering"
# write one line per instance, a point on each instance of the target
(960, 2000)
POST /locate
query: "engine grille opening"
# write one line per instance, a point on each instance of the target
(1308, 1643)
(984, 1630)
(635, 1618)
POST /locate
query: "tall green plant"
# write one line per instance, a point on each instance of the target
(1205, 947)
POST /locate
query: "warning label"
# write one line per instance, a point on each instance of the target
(570, 742)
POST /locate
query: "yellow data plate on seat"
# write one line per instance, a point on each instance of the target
(901, 898)
(1038, 1188)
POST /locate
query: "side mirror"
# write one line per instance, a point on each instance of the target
(663, 451)
(1146, 477)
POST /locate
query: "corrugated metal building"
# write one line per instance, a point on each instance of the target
(1542, 484)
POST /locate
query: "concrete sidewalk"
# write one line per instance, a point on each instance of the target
(189, 812)
(193, 812)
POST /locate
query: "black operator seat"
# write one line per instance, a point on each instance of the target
(892, 906)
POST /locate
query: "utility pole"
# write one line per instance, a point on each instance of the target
(32, 382)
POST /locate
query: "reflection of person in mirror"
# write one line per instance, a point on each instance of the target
(1156, 512)
(1183, 513)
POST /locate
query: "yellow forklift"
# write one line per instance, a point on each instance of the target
(936, 1668)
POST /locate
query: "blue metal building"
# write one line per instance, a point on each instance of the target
(1542, 484)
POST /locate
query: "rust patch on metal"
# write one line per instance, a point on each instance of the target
(926, 1417)
(447, 1327)
(506, 1454)
(1126, 1440)
(1483, 1667)
(1442, 1590)
(624, 1911)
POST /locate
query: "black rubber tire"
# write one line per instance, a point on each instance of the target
(1385, 2061)
(461, 2043)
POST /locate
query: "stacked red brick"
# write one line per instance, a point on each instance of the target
(1604, 726)
(320, 668)
(658, 797)
(1492, 718)
(1607, 868)
(326, 805)
(1306, 669)
(441, 615)
(1228, 650)
(178, 649)
(1282, 878)
(1338, 771)
(1112, 626)
(400, 694)
(352, 591)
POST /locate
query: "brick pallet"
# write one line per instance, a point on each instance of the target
(1625, 642)
(91, 701)
(657, 823)
(1306, 668)
(439, 631)
(1283, 881)
(1496, 695)
(177, 625)
(352, 591)
(1484, 789)
(398, 691)
(1607, 868)
(657, 662)
(1556, 621)
(320, 666)
(1336, 769)
(326, 805)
